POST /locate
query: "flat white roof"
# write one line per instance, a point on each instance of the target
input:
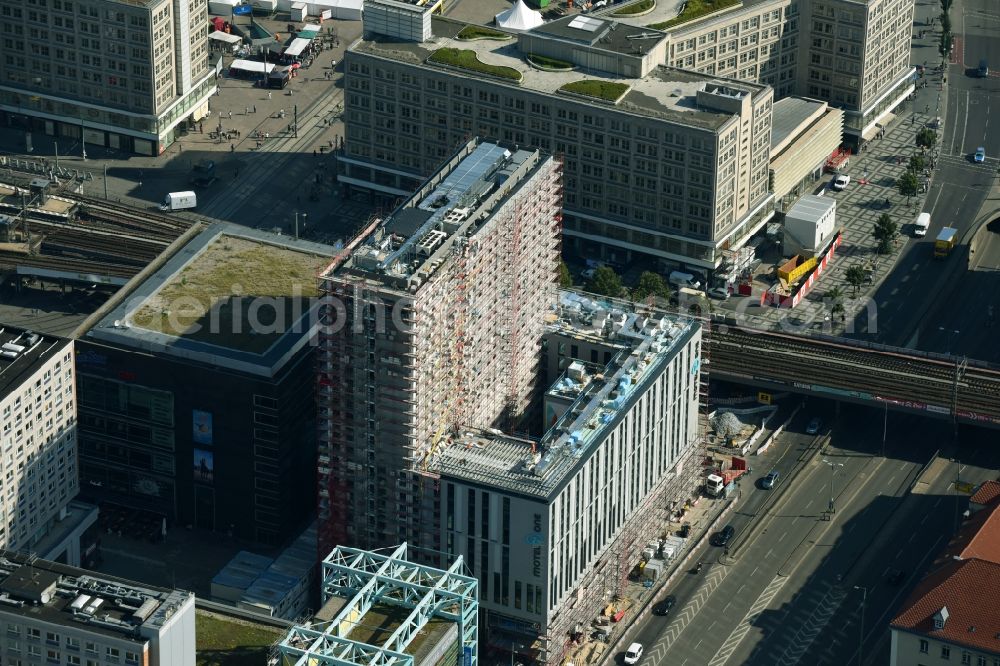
(252, 66)
(297, 46)
(224, 37)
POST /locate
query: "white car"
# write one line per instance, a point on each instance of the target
(841, 181)
(633, 654)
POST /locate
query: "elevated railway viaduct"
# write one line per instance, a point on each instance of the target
(899, 379)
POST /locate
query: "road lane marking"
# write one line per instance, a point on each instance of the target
(743, 628)
(782, 536)
(811, 627)
(687, 615)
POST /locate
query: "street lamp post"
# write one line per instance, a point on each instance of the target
(951, 337)
(861, 633)
(833, 470)
(885, 426)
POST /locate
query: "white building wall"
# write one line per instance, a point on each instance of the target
(603, 495)
(38, 468)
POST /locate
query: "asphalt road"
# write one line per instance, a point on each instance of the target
(924, 301)
(787, 595)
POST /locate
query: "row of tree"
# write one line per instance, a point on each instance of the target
(947, 40)
(607, 282)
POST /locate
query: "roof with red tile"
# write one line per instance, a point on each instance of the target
(978, 537)
(987, 492)
(968, 589)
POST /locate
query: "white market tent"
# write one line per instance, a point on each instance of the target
(252, 66)
(519, 18)
(296, 48)
(226, 37)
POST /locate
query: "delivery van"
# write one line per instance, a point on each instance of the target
(681, 279)
(922, 224)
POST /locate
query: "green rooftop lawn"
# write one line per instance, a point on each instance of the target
(221, 641)
(467, 59)
(696, 9)
(607, 90)
(232, 266)
(549, 63)
(636, 8)
(479, 32)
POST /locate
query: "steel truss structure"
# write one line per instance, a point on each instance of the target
(367, 578)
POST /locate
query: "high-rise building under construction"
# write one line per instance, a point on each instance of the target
(433, 321)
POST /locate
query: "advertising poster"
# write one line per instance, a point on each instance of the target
(201, 427)
(204, 466)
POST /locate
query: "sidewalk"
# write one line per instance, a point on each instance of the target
(291, 165)
(874, 173)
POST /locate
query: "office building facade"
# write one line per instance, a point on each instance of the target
(673, 168)
(553, 526)
(39, 438)
(121, 74)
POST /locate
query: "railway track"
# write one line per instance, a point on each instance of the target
(147, 223)
(884, 372)
(68, 265)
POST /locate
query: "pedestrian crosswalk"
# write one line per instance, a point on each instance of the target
(743, 628)
(684, 617)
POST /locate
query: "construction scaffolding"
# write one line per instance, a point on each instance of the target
(368, 580)
(414, 357)
(609, 576)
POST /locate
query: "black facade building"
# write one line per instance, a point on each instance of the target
(210, 424)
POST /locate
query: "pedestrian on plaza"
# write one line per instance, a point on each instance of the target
(232, 148)
(230, 115)
(269, 94)
(255, 108)
(236, 174)
(180, 148)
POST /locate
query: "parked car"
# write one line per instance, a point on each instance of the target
(724, 536)
(633, 654)
(664, 606)
(588, 274)
(812, 428)
(768, 481)
(841, 181)
(720, 293)
(980, 155)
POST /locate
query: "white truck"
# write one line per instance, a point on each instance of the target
(179, 201)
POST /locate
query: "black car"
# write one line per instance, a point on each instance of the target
(684, 531)
(724, 536)
(895, 576)
(664, 606)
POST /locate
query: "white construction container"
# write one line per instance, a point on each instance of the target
(179, 201)
(299, 11)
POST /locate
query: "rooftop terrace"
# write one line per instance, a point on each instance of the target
(230, 293)
(665, 92)
(538, 469)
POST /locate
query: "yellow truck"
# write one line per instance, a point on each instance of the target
(945, 241)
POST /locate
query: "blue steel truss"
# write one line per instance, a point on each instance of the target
(367, 578)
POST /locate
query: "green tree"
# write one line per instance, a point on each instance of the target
(606, 282)
(945, 22)
(885, 231)
(836, 299)
(944, 46)
(917, 163)
(926, 138)
(856, 277)
(908, 185)
(651, 284)
(565, 279)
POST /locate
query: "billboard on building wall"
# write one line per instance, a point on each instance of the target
(201, 427)
(204, 466)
